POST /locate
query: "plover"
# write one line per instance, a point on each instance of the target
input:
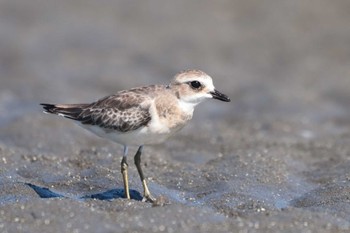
(143, 115)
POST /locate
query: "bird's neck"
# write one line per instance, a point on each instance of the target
(187, 107)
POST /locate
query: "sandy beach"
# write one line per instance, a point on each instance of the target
(274, 159)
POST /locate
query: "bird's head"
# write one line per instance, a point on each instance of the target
(195, 86)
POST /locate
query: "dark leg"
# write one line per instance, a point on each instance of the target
(124, 170)
(146, 193)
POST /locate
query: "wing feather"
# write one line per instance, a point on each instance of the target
(120, 112)
(124, 111)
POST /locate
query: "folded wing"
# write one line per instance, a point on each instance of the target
(120, 112)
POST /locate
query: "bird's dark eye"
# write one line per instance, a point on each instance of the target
(195, 84)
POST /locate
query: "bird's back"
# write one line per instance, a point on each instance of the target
(124, 111)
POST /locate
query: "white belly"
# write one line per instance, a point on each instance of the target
(156, 131)
(141, 136)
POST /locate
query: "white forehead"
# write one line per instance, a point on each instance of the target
(194, 75)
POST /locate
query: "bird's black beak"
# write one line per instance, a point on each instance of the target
(219, 96)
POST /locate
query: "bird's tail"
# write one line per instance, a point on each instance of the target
(71, 111)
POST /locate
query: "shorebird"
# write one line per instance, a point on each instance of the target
(143, 115)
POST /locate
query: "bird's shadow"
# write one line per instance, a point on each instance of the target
(106, 195)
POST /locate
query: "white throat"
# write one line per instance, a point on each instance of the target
(187, 107)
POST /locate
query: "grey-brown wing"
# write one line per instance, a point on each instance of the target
(122, 112)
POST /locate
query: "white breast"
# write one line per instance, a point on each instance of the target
(156, 131)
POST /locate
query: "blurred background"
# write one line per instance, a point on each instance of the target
(277, 156)
(280, 57)
(278, 60)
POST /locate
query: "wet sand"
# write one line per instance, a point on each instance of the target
(275, 159)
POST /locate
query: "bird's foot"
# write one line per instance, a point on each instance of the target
(159, 201)
(148, 198)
